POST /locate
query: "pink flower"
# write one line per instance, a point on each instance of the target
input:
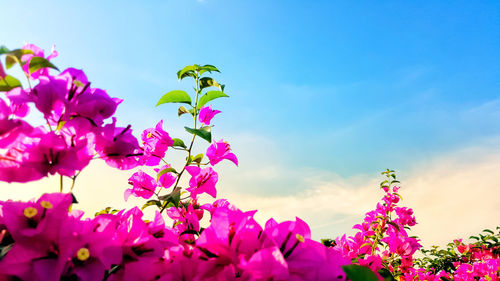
(118, 147)
(267, 264)
(202, 181)
(186, 220)
(50, 96)
(206, 114)
(167, 179)
(219, 151)
(94, 104)
(155, 143)
(49, 153)
(2, 71)
(143, 185)
(38, 52)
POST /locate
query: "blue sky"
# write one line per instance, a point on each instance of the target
(339, 87)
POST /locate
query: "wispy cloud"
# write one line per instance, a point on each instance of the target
(454, 195)
(490, 106)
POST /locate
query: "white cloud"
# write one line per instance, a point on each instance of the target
(453, 195)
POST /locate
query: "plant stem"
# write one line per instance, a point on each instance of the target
(74, 179)
(195, 115)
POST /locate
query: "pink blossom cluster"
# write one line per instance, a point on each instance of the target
(48, 242)
(75, 114)
(203, 180)
(382, 240)
(382, 243)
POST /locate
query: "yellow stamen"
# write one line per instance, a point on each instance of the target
(300, 238)
(46, 204)
(83, 254)
(30, 212)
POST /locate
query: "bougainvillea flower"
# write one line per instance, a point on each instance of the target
(118, 147)
(143, 185)
(74, 77)
(219, 203)
(206, 114)
(219, 151)
(167, 179)
(184, 219)
(202, 181)
(19, 100)
(11, 169)
(13, 130)
(95, 104)
(41, 154)
(49, 96)
(158, 229)
(134, 236)
(155, 143)
(2, 72)
(267, 264)
(405, 216)
(232, 235)
(37, 51)
(24, 220)
(50, 155)
(310, 260)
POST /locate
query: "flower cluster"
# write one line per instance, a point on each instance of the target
(381, 240)
(383, 244)
(48, 242)
(75, 114)
(46, 239)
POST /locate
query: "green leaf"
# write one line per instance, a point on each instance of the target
(393, 224)
(187, 71)
(198, 158)
(176, 96)
(182, 110)
(191, 111)
(359, 273)
(10, 61)
(489, 230)
(203, 132)
(107, 210)
(210, 95)
(174, 197)
(4, 250)
(4, 50)
(164, 171)
(151, 203)
(37, 63)
(179, 142)
(384, 272)
(8, 83)
(206, 82)
(15, 57)
(209, 68)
